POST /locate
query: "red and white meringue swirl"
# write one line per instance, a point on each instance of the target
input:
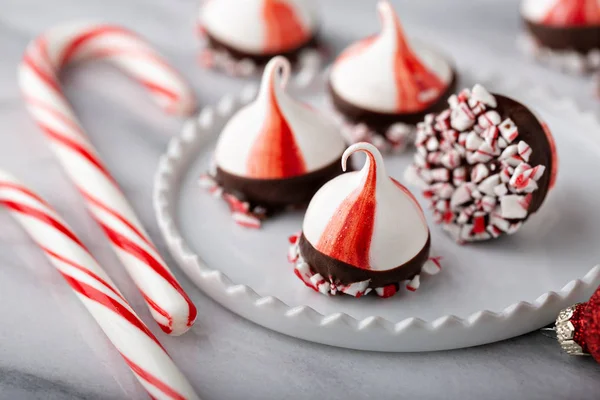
(384, 73)
(260, 26)
(563, 13)
(276, 136)
(366, 218)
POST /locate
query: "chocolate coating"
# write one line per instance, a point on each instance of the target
(261, 59)
(276, 194)
(582, 39)
(532, 132)
(380, 122)
(346, 273)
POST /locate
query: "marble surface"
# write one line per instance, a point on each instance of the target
(50, 348)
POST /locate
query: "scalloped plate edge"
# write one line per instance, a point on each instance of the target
(216, 284)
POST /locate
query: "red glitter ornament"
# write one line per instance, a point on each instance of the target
(578, 328)
(591, 325)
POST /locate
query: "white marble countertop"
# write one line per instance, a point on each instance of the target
(50, 348)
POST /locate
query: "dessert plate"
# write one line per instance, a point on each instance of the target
(485, 292)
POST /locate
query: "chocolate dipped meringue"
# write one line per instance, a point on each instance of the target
(363, 232)
(564, 32)
(383, 85)
(486, 164)
(242, 36)
(274, 153)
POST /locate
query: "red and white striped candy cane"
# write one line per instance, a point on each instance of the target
(142, 352)
(38, 78)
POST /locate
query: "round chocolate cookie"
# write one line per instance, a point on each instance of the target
(274, 153)
(381, 86)
(487, 163)
(363, 232)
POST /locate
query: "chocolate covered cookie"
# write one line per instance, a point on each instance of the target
(240, 37)
(274, 153)
(363, 233)
(486, 164)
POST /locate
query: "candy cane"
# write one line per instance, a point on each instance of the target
(142, 352)
(38, 78)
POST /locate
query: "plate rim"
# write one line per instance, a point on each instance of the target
(172, 166)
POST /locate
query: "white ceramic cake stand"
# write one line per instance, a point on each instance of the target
(485, 293)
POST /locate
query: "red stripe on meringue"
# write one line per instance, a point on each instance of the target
(284, 29)
(347, 237)
(275, 153)
(412, 77)
(573, 13)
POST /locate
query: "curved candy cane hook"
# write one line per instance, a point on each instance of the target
(38, 77)
(140, 349)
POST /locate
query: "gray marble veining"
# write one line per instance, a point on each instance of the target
(51, 349)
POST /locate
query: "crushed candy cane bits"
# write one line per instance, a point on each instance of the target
(474, 168)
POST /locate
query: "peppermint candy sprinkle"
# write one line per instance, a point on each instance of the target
(330, 286)
(474, 168)
(394, 140)
(241, 211)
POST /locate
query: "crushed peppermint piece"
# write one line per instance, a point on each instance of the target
(241, 212)
(331, 287)
(475, 167)
(395, 139)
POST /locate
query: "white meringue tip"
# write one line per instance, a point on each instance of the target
(387, 14)
(391, 27)
(367, 148)
(279, 67)
(385, 8)
(344, 160)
